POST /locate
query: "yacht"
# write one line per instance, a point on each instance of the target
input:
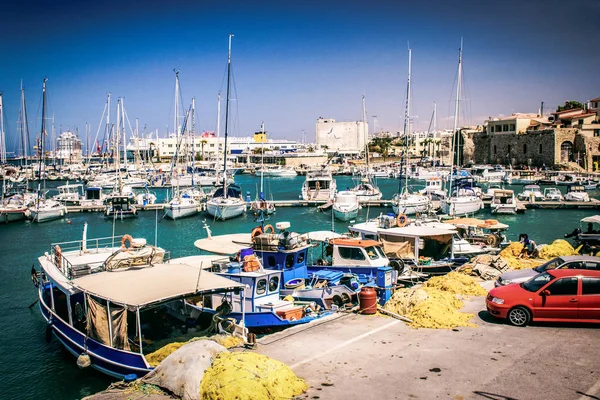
(227, 202)
(531, 192)
(576, 193)
(277, 172)
(504, 202)
(345, 206)
(319, 185)
(184, 204)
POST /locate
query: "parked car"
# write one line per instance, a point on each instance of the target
(570, 262)
(559, 295)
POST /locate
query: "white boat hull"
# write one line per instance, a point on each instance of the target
(345, 214)
(410, 205)
(223, 209)
(13, 215)
(458, 206)
(43, 215)
(504, 209)
(177, 211)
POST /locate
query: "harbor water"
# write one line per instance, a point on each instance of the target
(31, 368)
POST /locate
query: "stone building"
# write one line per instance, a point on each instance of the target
(568, 138)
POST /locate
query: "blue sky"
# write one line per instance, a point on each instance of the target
(295, 61)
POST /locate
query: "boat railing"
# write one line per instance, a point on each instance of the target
(91, 245)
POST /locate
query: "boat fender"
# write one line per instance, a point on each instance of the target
(126, 238)
(269, 229)
(402, 220)
(84, 361)
(58, 256)
(49, 331)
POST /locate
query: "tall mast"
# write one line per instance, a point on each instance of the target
(23, 125)
(434, 129)
(43, 134)
(175, 122)
(456, 110)
(407, 118)
(262, 158)
(124, 131)
(2, 136)
(118, 146)
(227, 118)
(365, 131)
(108, 128)
(218, 114)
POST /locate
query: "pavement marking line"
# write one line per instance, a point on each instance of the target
(344, 344)
(591, 392)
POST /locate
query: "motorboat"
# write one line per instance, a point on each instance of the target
(531, 193)
(489, 234)
(110, 301)
(69, 195)
(226, 203)
(488, 173)
(459, 205)
(553, 194)
(589, 185)
(504, 202)
(434, 189)
(13, 208)
(345, 206)
(277, 171)
(576, 193)
(319, 185)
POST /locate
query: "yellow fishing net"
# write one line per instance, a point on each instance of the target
(457, 283)
(558, 248)
(159, 355)
(245, 376)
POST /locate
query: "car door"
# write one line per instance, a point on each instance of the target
(589, 301)
(561, 302)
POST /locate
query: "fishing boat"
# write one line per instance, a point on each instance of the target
(463, 200)
(319, 185)
(227, 202)
(504, 202)
(345, 206)
(109, 301)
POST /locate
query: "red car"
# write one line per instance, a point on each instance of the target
(560, 295)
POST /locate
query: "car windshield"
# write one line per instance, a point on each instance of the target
(537, 282)
(552, 264)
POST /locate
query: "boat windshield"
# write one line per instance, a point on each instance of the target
(537, 282)
(372, 252)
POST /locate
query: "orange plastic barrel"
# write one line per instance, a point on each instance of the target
(368, 300)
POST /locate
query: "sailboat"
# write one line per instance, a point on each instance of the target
(121, 203)
(187, 202)
(405, 202)
(458, 201)
(45, 209)
(260, 204)
(366, 189)
(227, 201)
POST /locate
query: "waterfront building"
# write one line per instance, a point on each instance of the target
(342, 137)
(68, 147)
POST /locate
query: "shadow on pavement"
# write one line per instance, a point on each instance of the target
(493, 396)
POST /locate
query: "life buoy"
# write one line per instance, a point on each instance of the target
(126, 238)
(402, 220)
(58, 256)
(256, 231)
(269, 228)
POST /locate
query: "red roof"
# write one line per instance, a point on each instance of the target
(566, 111)
(578, 116)
(596, 99)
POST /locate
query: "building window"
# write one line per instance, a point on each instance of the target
(492, 129)
(512, 127)
(580, 122)
(495, 152)
(505, 127)
(509, 149)
(540, 149)
(524, 149)
(596, 132)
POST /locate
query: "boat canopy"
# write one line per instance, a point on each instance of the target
(152, 285)
(416, 231)
(322, 236)
(225, 244)
(354, 242)
(477, 223)
(232, 191)
(593, 219)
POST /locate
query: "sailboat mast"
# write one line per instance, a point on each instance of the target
(43, 131)
(124, 132)
(24, 125)
(365, 131)
(2, 136)
(434, 129)
(175, 122)
(407, 118)
(262, 159)
(108, 128)
(118, 146)
(456, 110)
(218, 114)
(227, 117)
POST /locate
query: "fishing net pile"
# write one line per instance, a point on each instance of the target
(227, 341)
(245, 376)
(559, 247)
(511, 253)
(436, 305)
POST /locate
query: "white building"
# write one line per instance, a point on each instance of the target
(342, 137)
(68, 147)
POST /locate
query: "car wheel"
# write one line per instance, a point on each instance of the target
(519, 316)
